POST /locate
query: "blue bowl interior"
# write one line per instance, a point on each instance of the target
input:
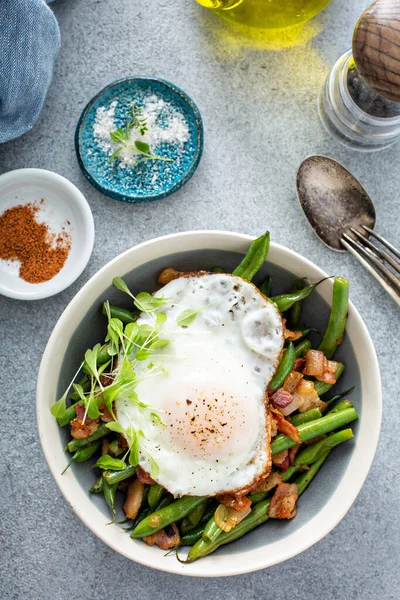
(315, 313)
(152, 179)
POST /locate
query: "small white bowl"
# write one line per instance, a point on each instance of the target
(335, 488)
(63, 203)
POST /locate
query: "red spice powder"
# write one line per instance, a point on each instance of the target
(42, 253)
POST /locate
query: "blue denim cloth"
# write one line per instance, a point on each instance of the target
(29, 43)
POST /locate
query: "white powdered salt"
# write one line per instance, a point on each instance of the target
(164, 123)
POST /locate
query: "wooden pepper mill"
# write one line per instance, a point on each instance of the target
(376, 48)
(359, 104)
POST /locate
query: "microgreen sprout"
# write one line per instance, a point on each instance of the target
(59, 408)
(186, 317)
(124, 137)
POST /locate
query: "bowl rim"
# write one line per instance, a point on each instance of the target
(318, 526)
(133, 198)
(86, 243)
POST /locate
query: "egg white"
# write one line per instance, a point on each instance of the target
(208, 386)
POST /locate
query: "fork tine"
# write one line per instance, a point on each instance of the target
(382, 240)
(377, 251)
(358, 254)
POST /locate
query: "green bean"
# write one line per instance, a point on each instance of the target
(101, 432)
(258, 515)
(68, 416)
(313, 429)
(167, 515)
(217, 270)
(266, 287)
(109, 492)
(194, 517)
(286, 301)
(211, 530)
(341, 406)
(113, 477)
(296, 308)
(321, 387)
(305, 417)
(189, 539)
(286, 475)
(166, 501)
(254, 259)
(155, 493)
(314, 452)
(285, 367)
(83, 454)
(124, 315)
(330, 401)
(115, 448)
(301, 348)
(97, 487)
(337, 320)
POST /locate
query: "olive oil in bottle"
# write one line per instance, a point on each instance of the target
(266, 14)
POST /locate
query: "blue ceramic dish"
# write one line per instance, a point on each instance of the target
(151, 179)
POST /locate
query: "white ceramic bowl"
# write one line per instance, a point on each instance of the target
(63, 202)
(336, 486)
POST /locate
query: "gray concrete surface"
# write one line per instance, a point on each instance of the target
(260, 117)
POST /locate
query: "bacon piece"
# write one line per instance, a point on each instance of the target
(236, 502)
(298, 364)
(122, 442)
(134, 499)
(293, 452)
(281, 398)
(281, 460)
(165, 539)
(104, 446)
(268, 484)
(292, 336)
(291, 381)
(283, 502)
(284, 426)
(319, 367)
(169, 274)
(306, 396)
(106, 416)
(143, 476)
(80, 429)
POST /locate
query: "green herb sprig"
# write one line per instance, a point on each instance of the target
(122, 136)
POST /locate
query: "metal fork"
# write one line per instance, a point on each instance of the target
(375, 259)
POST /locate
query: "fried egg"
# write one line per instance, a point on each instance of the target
(208, 386)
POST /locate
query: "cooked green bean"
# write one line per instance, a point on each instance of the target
(314, 452)
(194, 517)
(189, 539)
(337, 320)
(97, 487)
(109, 492)
(154, 496)
(115, 448)
(330, 401)
(285, 367)
(83, 454)
(167, 515)
(305, 417)
(313, 429)
(254, 259)
(166, 501)
(266, 286)
(123, 314)
(321, 387)
(286, 475)
(113, 477)
(342, 405)
(286, 301)
(68, 416)
(258, 515)
(101, 432)
(211, 530)
(301, 348)
(295, 311)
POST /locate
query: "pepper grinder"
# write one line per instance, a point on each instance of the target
(359, 104)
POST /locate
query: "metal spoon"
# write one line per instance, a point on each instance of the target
(343, 216)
